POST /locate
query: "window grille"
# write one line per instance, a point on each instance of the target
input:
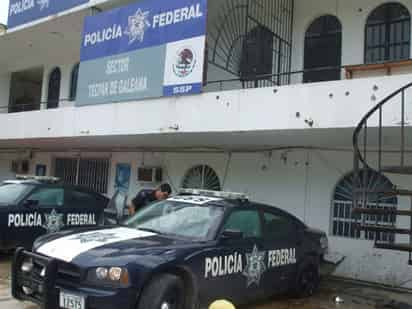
(252, 39)
(343, 222)
(323, 50)
(89, 173)
(388, 34)
(201, 177)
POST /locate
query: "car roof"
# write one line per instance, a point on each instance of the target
(217, 198)
(39, 183)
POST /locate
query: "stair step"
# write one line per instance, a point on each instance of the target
(396, 247)
(399, 192)
(401, 170)
(393, 192)
(381, 211)
(383, 228)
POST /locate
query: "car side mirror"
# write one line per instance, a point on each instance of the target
(31, 203)
(231, 235)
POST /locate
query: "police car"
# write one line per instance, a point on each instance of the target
(32, 206)
(179, 253)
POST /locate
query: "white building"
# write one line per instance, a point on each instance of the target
(287, 83)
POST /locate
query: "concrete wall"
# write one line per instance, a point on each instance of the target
(338, 104)
(302, 184)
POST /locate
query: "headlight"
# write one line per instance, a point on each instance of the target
(108, 275)
(101, 273)
(115, 273)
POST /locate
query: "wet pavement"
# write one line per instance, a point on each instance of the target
(354, 296)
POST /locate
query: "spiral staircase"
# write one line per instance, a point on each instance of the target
(382, 142)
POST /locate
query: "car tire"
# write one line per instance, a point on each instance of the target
(308, 281)
(163, 292)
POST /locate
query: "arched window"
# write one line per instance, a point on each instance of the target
(323, 50)
(343, 223)
(54, 89)
(201, 177)
(257, 54)
(388, 34)
(73, 82)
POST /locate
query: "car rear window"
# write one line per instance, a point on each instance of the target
(13, 193)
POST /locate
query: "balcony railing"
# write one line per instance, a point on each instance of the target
(273, 80)
(27, 107)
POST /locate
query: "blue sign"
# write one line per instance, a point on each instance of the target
(122, 181)
(25, 11)
(142, 25)
(152, 48)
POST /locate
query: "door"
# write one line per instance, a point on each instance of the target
(41, 212)
(282, 243)
(83, 208)
(323, 50)
(234, 268)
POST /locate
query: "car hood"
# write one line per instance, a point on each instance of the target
(99, 246)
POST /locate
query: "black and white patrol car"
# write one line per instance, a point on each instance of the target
(179, 253)
(33, 206)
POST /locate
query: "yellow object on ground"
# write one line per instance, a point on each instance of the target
(222, 304)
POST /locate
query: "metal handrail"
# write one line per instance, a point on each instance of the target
(363, 122)
(268, 76)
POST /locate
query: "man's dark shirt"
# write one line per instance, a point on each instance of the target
(143, 198)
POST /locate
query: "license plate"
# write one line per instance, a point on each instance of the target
(68, 300)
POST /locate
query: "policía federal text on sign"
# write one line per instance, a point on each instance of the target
(148, 49)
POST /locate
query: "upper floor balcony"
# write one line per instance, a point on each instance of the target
(313, 53)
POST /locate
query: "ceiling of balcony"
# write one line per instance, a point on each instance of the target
(222, 141)
(35, 46)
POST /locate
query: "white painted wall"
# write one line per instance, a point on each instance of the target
(303, 185)
(4, 91)
(352, 14)
(331, 105)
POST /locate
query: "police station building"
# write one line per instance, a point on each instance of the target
(253, 96)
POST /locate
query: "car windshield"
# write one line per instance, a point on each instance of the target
(13, 193)
(177, 219)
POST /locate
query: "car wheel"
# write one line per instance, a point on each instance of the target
(308, 281)
(163, 292)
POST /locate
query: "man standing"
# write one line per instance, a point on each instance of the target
(147, 196)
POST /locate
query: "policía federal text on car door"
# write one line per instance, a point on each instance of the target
(236, 265)
(40, 212)
(283, 246)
